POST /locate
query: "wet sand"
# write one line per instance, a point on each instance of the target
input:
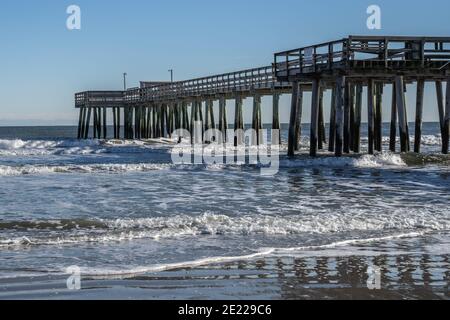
(402, 277)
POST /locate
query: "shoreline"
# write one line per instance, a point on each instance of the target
(420, 276)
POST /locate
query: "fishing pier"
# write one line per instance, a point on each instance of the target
(347, 67)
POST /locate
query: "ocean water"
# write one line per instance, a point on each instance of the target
(123, 209)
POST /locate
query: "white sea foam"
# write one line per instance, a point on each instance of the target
(364, 161)
(90, 168)
(220, 225)
(261, 253)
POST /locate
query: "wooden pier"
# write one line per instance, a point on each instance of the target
(345, 67)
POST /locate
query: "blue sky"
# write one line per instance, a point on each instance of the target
(43, 64)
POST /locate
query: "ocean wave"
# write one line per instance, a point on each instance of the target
(18, 147)
(103, 231)
(88, 168)
(363, 161)
(260, 253)
(45, 144)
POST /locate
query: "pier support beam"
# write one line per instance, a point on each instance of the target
(257, 120)
(105, 127)
(80, 122)
(87, 123)
(321, 132)
(379, 118)
(162, 121)
(192, 121)
(371, 114)
(352, 117)
(276, 117)
(83, 124)
(347, 108)
(149, 122)
(207, 115)
(402, 117)
(223, 123)
(114, 116)
(185, 116)
(99, 123)
(419, 114)
(332, 139)
(154, 121)
(440, 104)
(357, 119)
(314, 117)
(298, 123)
(393, 133)
(339, 101)
(200, 116)
(446, 135)
(238, 122)
(95, 123)
(293, 119)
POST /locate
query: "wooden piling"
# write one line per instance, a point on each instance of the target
(371, 114)
(314, 118)
(293, 119)
(149, 122)
(238, 122)
(80, 121)
(321, 130)
(225, 120)
(401, 109)
(393, 132)
(440, 104)
(257, 120)
(298, 123)
(192, 126)
(186, 124)
(87, 123)
(419, 114)
(163, 121)
(340, 92)
(357, 119)
(332, 139)
(379, 118)
(125, 122)
(446, 133)
(95, 124)
(207, 121)
(99, 123)
(276, 117)
(114, 123)
(347, 107)
(83, 123)
(157, 119)
(352, 117)
(105, 128)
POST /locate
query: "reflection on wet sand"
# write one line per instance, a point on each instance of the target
(421, 276)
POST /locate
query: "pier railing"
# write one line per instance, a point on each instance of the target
(109, 99)
(361, 52)
(228, 83)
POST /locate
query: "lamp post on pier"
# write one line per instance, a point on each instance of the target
(125, 81)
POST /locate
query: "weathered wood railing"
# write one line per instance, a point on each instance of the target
(358, 51)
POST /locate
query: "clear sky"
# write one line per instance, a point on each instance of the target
(43, 64)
